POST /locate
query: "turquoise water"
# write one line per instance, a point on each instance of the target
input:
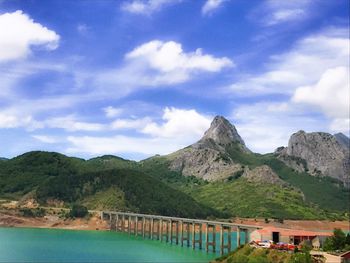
(55, 245)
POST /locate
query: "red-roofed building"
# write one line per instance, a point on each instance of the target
(291, 236)
(345, 257)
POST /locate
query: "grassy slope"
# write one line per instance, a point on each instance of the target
(322, 191)
(320, 198)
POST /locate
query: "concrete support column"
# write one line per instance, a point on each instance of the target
(193, 235)
(206, 238)
(152, 222)
(221, 240)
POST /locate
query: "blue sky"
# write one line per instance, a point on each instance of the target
(136, 78)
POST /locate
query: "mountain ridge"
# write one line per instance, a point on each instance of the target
(216, 176)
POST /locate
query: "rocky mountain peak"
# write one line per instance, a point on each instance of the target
(318, 153)
(222, 132)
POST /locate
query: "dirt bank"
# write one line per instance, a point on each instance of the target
(13, 219)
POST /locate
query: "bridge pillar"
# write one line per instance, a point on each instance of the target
(143, 226)
(193, 235)
(238, 237)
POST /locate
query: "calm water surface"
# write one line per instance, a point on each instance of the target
(55, 245)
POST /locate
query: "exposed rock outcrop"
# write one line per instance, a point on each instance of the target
(317, 153)
(207, 158)
(262, 174)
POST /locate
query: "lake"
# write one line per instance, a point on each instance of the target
(43, 245)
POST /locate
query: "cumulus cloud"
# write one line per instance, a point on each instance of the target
(267, 125)
(178, 128)
(211, 5)
(179, 123)
(18, 33)
(156, 64)
(170, 57)
(331, 95)
(146, 7)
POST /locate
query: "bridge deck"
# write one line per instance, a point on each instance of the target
(180, 230)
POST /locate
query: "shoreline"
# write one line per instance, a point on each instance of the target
(12, 219)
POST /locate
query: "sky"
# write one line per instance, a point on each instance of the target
(136, 78)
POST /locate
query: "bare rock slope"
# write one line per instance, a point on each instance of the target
(318, 153)
(207, 158)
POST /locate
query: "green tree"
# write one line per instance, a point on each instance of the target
(339, 239)
(347, 239)
(78, 211)
(336, 242)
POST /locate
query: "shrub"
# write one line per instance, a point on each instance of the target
(36, 212)
(78, 211)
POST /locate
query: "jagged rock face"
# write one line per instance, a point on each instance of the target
(222, 132)
(206, 159)
(317, 153)
(262, 174)
(343, 140)
(207, 164)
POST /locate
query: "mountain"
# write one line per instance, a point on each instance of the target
(220, 171)
(343, 140)
(208, 159)
(319, 154)
(106, 182)
(218, 176)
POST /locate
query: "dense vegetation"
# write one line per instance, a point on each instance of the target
(338, 241)
(110, 182)
(54, 176)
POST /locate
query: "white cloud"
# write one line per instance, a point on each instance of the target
(130, 123)
(267, 125)
(303, 65)
(331, 93)
(46, 139)
(211, 5)
(70, 123)
(314, 74)
(18, 33)
(274, 12)
(169, 57)
(146, 7)
(179, 128)
(179, 123)
(112, 112)
(121, 144)
(340, 125)
(10, 119)
(157, 64)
